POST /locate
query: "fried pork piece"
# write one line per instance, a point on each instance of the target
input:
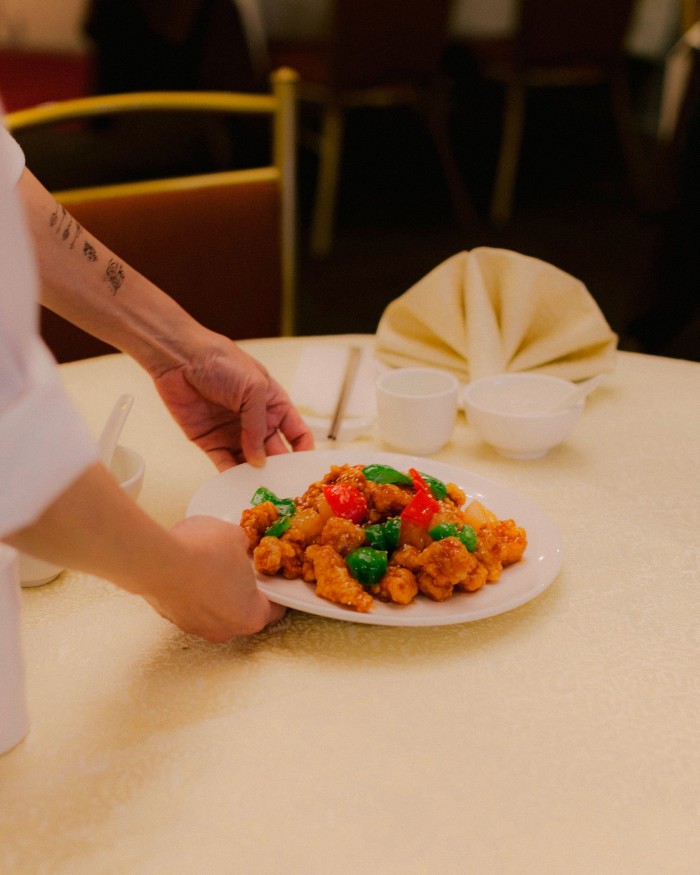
(341, 534)
(512, 540)
(430, 587)
(476, 576)
(351, 475)
(386, 500)
(456, 495)
(292, 560)
(499, 543)
(256, 520)
(398, 585)
(407, 557)
(448, 513)
(310, 497)
(488, 552)
(333, 580)
(273, 555)
(443, 564)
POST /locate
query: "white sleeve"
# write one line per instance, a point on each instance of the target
(44, 445)
(11, 155)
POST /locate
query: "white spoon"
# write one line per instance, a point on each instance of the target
(583, 390)
(113, 429)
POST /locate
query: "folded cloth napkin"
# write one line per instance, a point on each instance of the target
(317, 384)
(489, 311)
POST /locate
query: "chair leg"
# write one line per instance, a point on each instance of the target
(642, 179)
(511, 140)
(330, 150)
(436, 116)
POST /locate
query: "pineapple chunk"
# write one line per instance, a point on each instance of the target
(476, 515)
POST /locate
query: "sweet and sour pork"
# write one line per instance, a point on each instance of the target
(315, 542)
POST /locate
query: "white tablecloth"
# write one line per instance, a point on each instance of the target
(561, 737)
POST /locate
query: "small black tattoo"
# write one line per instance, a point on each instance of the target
(78, 232)
(114, 275)
(89, 251)
(54, 219)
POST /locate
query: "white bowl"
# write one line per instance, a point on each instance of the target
(128, 468)
(508, 412)
(35, 572)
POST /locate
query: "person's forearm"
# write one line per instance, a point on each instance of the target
(90, 286)
(94, 527)
(223, 399)
(198, 574)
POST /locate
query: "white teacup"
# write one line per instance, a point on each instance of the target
(128, 468)
(417, 409)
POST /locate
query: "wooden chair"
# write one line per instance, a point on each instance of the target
(669, 323)
(377, 53)
(221, 243)
(557, 44)
(179, 45)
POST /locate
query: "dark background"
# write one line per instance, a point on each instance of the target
(578, 206)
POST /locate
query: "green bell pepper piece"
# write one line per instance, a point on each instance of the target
(437, 487)
(367, 565)
(375, 536)
(384, 536)
(392, 530)
(285, 506)
(444, 530)
(279, 527)
(385, 474)
(466, 534)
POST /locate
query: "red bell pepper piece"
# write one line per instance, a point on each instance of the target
(419, 484)
(346, 501)
(421, 508)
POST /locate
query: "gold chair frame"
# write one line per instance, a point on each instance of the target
(280, 105)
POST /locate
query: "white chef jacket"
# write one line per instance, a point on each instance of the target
(44, 445)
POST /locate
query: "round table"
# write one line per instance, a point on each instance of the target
(559, 737)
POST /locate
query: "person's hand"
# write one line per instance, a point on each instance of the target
(227, 403)
(212, 593)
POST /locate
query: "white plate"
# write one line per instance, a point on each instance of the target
(289, 475)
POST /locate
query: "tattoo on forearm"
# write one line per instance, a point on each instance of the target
(114, 275)
(77, 232)
(66, 227)
(58, 217)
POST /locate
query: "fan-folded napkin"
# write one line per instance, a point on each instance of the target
(489, 311)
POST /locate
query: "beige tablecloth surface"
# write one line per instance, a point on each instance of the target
(561, 737)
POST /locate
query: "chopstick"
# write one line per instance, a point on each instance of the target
(348, 379)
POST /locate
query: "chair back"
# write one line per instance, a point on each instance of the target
(222, 244)
(179, 45)
(385, 42)
(565, 33)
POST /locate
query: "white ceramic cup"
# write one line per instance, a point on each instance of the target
(417, 409)
(14, 719)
